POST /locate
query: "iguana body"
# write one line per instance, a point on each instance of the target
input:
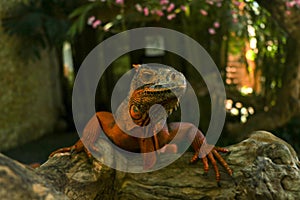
(133, 130)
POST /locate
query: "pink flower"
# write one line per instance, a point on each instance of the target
(146, 11)
(235, 20)
(171, 7)
(159, 13)
(290, 4)
(183, 8)
(138, 7)
(164, 2)
(219, 4)
(91, 20)
(209, 2)
(216, 24)
(96, 23)
(203, 12)
(288, 12)
(120, 2)
(171, 16)
(233, 12)
(237, 3)
(211, 31)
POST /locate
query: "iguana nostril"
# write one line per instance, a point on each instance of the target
(173, 76)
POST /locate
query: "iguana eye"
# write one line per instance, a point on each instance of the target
(135, 112)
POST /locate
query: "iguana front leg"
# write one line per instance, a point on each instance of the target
(77, 147)
(90, 134)
(194, 135)
(101, 123)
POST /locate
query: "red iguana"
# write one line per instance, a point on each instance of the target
(150, 86)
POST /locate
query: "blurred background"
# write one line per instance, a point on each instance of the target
(255, 44)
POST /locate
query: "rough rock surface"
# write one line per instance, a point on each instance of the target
(29, 90)
(265, 167)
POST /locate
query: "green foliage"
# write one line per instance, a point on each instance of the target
(251, 21)
(48, 23)
(39, 24)
(271, 45)
(80, 17)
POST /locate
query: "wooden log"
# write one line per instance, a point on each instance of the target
(265, 167)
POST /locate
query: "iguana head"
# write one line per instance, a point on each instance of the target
(154, 84)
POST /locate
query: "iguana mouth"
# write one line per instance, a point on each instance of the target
(144, 97)
(166, 95)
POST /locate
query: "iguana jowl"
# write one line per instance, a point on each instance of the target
(133, 129)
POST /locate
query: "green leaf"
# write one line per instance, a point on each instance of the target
(73, 30)
(187, 11)
(78, 11)
(81, 23)
(83, 10)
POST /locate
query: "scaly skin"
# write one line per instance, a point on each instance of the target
(151, 85)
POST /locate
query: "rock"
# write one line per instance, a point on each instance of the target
(29, 89)
(265, 167)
